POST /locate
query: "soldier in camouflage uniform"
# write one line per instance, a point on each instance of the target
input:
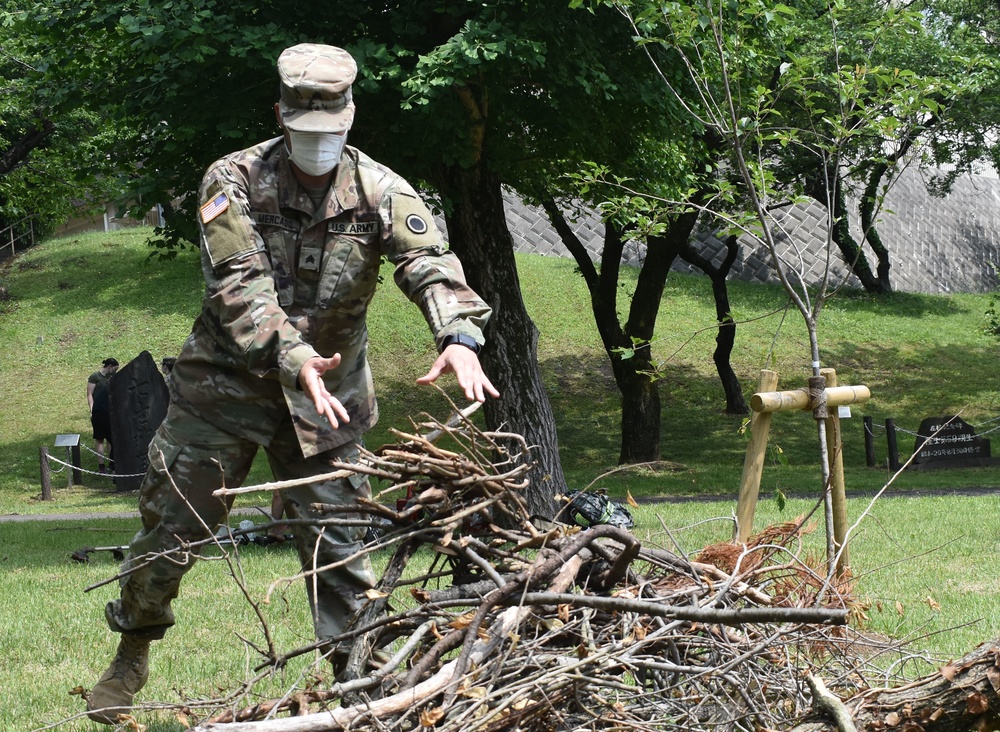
(292, 234)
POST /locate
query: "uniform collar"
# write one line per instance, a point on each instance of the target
(343, 194)
(344, 188)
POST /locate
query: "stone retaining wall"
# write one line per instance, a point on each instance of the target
(936, 245)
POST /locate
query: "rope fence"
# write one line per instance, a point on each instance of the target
(73, 470)
(890, 429)
(937, 440)
(91, 472)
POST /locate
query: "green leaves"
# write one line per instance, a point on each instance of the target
(628, 353)
(179, 82)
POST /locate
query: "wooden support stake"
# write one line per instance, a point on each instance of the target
(43, 461)
(838, 492)
(753, 464)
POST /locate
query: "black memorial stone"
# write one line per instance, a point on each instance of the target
(138, 399)
(949, 442)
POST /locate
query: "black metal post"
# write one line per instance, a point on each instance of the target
(869, 441)
(890, 438)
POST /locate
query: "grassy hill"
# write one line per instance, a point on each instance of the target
(74, 301)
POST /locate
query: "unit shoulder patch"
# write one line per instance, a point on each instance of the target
(416, 224)
(412, 223)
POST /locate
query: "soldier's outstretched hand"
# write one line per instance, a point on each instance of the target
(310, 378)
(464, 363)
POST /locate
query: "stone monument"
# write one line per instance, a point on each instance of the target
(138, 398)
(949, 442)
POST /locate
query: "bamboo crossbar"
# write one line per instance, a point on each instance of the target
(782, 401)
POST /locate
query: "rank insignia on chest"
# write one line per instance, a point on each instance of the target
(309, 258)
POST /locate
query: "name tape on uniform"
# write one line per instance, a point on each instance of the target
(269, 219)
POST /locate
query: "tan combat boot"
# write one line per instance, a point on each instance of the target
(113, 692)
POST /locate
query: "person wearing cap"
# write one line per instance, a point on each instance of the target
(293, 232)
(167, 365)
(100, 411)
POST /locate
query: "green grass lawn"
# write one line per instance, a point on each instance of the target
(926, 564)
(54, 638)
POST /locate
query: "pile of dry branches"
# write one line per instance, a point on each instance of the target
(524, 624)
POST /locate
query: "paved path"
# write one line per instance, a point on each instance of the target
(23, 517)
(263, 512)
(915, 493)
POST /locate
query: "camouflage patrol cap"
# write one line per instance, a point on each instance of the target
(316, 88)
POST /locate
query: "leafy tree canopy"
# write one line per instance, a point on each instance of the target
(51, 162)
(535, 88)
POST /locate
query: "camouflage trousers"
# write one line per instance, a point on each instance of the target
(188, 460)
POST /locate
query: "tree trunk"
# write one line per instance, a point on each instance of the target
(635, 375)
(640, 416)
(962, 696)
(854, 257)
(21, 148)
(869, 228)
(871, 199)
(726, 338)
(477, 229)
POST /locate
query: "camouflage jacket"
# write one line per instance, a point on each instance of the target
(286, 282)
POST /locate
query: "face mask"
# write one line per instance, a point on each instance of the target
(316, 153)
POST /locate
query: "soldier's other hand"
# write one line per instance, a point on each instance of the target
(464, 363)
(311, 380)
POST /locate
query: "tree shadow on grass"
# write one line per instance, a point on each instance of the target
(896, 304)
(926, 381)
(906, 385)
(764, 297)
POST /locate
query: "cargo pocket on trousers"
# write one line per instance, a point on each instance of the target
(157, 488)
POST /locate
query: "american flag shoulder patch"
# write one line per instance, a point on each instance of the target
(214, 207)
